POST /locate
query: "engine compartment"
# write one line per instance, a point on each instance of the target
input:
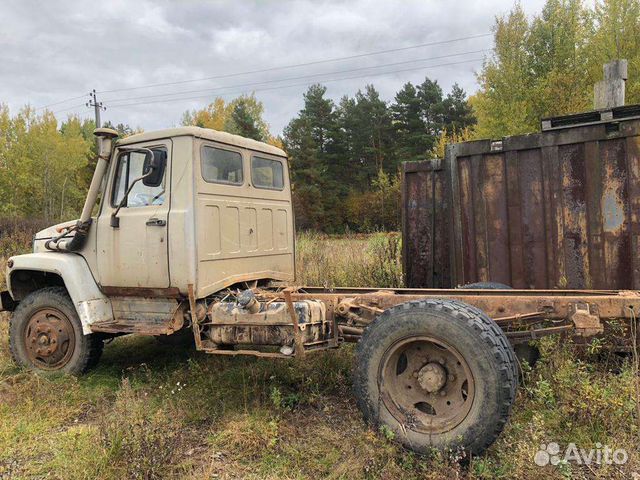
(242, 319)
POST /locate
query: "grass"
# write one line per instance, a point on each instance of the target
(149, 411)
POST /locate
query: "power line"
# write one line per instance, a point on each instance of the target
(270, 69)
(117, 106)
(266, 82)
(61, 101)
(69, 108)
(283, 67)
(298, 84)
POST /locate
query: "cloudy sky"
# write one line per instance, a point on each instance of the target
(52, 51)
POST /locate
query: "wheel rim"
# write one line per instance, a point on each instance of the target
(426, 384)
(49, 339)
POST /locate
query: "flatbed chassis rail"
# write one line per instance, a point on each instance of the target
(523, 315)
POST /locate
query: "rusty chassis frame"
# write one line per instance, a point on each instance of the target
(524, 315)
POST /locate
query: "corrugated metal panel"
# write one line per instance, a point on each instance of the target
(558, 209)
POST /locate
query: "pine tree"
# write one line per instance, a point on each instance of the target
(456, 110)
(243, 123)
(307, 140)
(412, 139)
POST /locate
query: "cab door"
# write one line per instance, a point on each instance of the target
(135, 253)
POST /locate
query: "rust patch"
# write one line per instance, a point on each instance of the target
(141, 292)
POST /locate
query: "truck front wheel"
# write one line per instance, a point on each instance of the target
(437, 373)
(45, 334)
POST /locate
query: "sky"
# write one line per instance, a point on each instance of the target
(51, 52)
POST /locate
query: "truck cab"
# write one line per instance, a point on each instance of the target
(171, 212)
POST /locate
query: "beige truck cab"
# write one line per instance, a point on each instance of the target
(215, 212)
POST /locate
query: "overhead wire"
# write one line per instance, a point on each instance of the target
(269, 69)
(296, 84)
(61, 101)
(296, 65)
(113, 101)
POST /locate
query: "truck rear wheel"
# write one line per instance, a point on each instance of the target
(438, 373)
(45, 334)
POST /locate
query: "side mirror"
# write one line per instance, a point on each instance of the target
(153, 168)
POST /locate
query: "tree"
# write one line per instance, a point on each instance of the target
(368, 132)
(432, 108)
(503, 104)
(41, 165)
(616, 34)
(243, 122)
(212, 116)
(242, 116)
(548, 66)
(456, 110)
(378, 208)
(412, 139)
(307, 139)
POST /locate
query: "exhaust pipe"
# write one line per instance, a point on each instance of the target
(63, 243)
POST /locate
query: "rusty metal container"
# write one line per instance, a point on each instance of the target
(557, 209)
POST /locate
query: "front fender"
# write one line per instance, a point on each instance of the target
(91, 304)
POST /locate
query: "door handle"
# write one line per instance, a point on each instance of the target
(156, 222)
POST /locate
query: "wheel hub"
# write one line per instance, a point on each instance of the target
(432, 377)
(49, 339)
(426, 384)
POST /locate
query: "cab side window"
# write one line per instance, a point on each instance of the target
(267, 173)
(221, 166)
(130, 166)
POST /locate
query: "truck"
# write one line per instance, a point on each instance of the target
(191, 231)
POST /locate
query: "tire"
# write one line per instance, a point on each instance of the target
(475, 349)
(45, 334)
(487, 286)
(524, 351)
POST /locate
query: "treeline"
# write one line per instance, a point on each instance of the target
(547, 65)
(45, 166)
(345, 154)
(345, 157)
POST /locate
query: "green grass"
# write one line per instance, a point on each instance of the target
(151, 411)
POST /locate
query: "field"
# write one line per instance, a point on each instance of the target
(149, 411)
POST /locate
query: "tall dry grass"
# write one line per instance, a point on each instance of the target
(349, 260)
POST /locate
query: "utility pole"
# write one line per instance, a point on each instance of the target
(97, 106)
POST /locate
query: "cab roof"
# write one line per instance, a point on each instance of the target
(207, 134)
